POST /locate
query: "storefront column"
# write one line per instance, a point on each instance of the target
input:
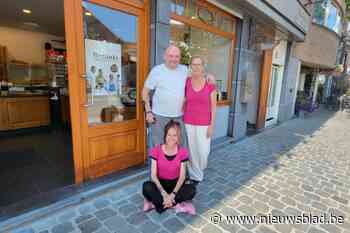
(289, 87)
(160, 30)
(238, 111)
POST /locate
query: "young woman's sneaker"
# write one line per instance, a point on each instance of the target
(185, 207)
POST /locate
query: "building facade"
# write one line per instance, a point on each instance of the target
(322, 55)
(250, 55)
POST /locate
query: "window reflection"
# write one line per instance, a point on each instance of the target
(214, 49)
(111, 63)
(328, 15)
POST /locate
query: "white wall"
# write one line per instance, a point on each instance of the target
(25, 45)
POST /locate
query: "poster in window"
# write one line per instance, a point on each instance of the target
(103, 67)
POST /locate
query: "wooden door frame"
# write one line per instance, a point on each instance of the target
(264, 88)
(73, 14)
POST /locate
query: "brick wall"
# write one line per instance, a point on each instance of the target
(320, 47)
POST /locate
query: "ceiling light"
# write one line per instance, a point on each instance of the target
(26, 11)
(175, 22)
(88, 13)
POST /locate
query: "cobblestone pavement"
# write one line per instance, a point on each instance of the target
(299, 167)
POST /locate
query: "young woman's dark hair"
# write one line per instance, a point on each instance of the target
(175, 125)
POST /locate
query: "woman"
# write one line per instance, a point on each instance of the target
(167, 187)
(199, 118)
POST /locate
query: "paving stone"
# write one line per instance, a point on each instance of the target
(331, 228)
(137, 218)
(264, 229)
(247, 210)
(277, 204)
(90, 226)
(288, 201)
(194, 221)
(66, 215)
(260, 207)
(312, 196)
(104, 214)
(44, 224)
(24, 230)
(244, 231)
(319, 206)
(86, 209)
(245, 199)
(283, 228)
(293, 211)
(315, 230)
(101, 203)
(127, 210)
(149, 227)
(211, 229)
(65, 227)
(272, 194)
(307, 187)
(103, 230)
(341, 200)
(216, 195)
(118, 224)
(173, 224)
(159, 218)
(82, 218)
(136, 199)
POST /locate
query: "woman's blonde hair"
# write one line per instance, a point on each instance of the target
(196, 57)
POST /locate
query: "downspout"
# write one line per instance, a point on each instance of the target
(235, 78)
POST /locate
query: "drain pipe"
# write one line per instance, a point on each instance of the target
(235, 96)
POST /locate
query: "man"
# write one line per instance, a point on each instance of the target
(168, 81)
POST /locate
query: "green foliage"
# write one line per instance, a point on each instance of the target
(185, 53)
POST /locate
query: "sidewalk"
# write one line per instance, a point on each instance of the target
(301, 166)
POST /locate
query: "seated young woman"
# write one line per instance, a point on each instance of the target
(167, 187)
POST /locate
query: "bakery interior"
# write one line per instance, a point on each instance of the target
(35, 129)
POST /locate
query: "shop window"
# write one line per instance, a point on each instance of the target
(206, 31)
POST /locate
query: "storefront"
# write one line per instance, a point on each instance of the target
(111, 38)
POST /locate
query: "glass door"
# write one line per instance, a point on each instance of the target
(274, 95)
(111, 65)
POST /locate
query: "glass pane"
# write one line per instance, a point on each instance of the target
(214, 49)
(319, 12)
(192, 9)
(206, 16)
(173, 6)
(273, 85)
(180, 8)
(111, 63)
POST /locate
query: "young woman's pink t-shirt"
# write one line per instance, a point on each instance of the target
(198, 104)
(168, 169)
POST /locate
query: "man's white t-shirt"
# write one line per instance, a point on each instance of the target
(169, 86)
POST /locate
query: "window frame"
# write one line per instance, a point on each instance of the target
(196, 23)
